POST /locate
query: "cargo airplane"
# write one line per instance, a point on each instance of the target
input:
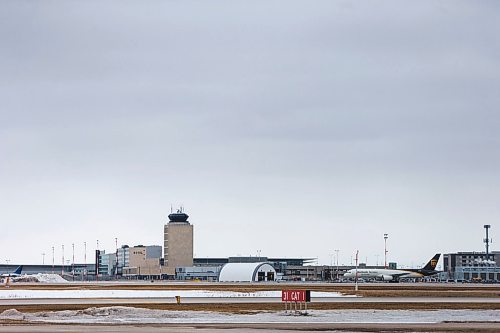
(395, 274)
(16, 273)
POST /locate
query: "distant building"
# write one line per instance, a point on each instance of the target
(472, 266)
(107, 263)
(81, 271)
(279, 264)
(143, 261)
(208, 273)
(123, 258)
(178, 242)
(247, 272)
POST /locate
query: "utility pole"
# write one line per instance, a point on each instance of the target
(385, 249)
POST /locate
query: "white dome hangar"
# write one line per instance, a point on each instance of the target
(247, 272)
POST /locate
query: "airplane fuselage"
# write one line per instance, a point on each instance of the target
(384, 274)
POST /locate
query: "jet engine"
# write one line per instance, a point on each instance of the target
(387, 278)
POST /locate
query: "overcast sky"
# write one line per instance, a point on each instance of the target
(292, 128)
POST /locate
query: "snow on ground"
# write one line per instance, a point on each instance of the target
(104, 293)
(130, 315)
(43, 278)
(49, 278)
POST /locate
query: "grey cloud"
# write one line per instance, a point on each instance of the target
(323, 115)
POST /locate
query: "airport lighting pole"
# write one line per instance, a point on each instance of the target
(337, 252)
(85, 259)
(116, 258)
(331, 266)
(487, 242)
(356, 274)
(62, 263)
(385, 249)
(97, 265)
(73, 264)
(53, 260)
(43, 258)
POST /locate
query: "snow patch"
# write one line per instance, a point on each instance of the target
(107, 293)
(49, 278)
(130, 315)
(40, 277)
(12, 314)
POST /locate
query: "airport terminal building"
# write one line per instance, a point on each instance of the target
(472, 266)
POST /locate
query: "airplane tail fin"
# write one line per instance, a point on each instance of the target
(431, 265)
(18, 270)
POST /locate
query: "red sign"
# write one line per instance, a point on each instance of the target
(293, 295)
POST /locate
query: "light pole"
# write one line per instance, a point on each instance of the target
(116, 258)
(85, 259)
(62, 261)
(331, 267)
(53, 259)
(356, 275)
(97, 263)
(337, 252)
(487, 242)
(73, 264)
(385, 249)
(43, 258)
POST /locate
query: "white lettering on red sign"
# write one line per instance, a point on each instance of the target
(293, 295)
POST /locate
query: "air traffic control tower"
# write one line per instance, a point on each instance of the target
(178, 241)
